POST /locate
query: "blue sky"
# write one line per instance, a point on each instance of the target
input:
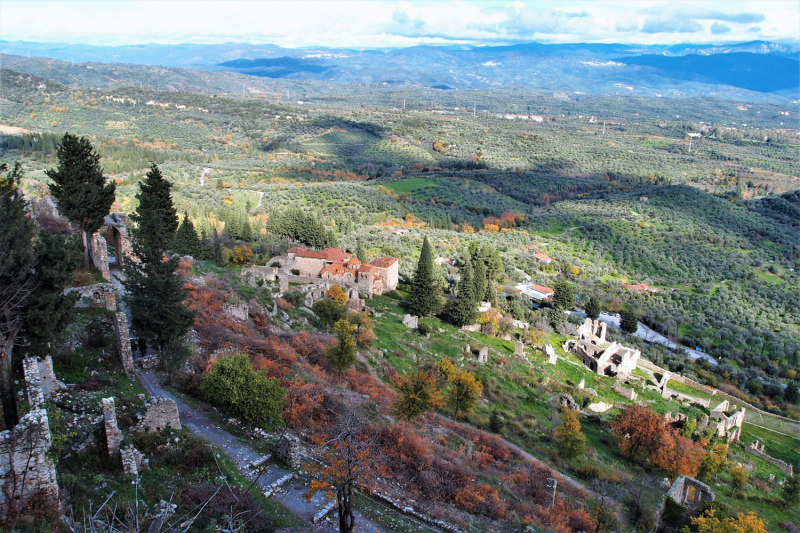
(373, 23)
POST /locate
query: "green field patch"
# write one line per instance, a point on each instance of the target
(408, 185)
(688, 390)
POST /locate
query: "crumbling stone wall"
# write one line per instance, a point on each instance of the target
(161, 413)
(625, 392)
(124, 344)
(758, 449)
(113, 434)
(25, 468)
(288, 450)
(132, 460)
(98, 251)
(97, 295)
(33, 382)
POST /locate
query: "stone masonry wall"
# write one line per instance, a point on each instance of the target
(25, 467)
(113, 434)
(124, 344)
(161, 413)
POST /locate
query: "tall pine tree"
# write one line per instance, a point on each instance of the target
(465, 308)
(186, 241)
(424, 292)
(154, 290)
(592, 308)
(155, 205)
(361, 255)
(80, 188)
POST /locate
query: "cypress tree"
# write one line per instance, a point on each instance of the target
(156, 217)
(362, 256)
(154, 290)
(480, 280)
(628, 322)
(80, 188)
(563, 297)
(424, 292)
(465, 311)
(592, 308)
(186, 241)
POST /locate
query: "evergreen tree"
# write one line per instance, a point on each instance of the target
(154, 290)
(592, 308)
(563, 297)
(628, 322)
(791, 394)
(216, 248)
(361, 255)
(480, 280)
(495, 422)
(246, 232)
(343, 354)
(465, 310)
(186, 241)
(156, 217)
(49, 309)
(17, 261)
(424, 292)
(80, 188)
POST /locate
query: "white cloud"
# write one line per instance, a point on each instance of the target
(391, 23)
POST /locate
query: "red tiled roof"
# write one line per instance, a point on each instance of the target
(639, 287)
(329, 254)
(365, 268)
(352, 261)
(295, 250)
(383, 262)
(541, 289)
(542, 256)
(335, 254)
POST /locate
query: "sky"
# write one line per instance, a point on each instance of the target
(379, 24)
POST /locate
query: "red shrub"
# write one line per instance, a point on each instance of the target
(481, 499)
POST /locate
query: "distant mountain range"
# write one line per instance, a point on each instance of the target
(750, 71)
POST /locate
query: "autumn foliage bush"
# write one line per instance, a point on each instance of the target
(642, 434)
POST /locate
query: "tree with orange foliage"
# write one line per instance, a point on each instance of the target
(304, 405)
(638, 429)
(677, 455)
(349, 458)
(336, 294)
(418, 394)
(741, 523)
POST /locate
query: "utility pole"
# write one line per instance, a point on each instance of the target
(404, 104)
(604, 127)
(552, 483)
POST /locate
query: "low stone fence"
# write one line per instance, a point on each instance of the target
(97, 295)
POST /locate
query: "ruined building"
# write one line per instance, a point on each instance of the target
(602, 357)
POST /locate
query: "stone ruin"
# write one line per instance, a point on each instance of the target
(123, 344)
(411, 321)
(625, 392)
(98, 295)
(132, 460)
(236, 311)
(162, 413)
(757, 448)
(289, 451)
(564, 400)
(113, 434)
(602, 357)
(552, 358)
(98, 253)
(519, 348)
(26, 469)
(690, 492)
(727, 427)
(483, 355)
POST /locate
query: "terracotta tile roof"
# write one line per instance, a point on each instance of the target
(542, 256)
(365, 268)
(541, 289)
(639, 287)
(335, 254)
(329, 254)
(295, 250)
(383, 262)
(352, 261)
